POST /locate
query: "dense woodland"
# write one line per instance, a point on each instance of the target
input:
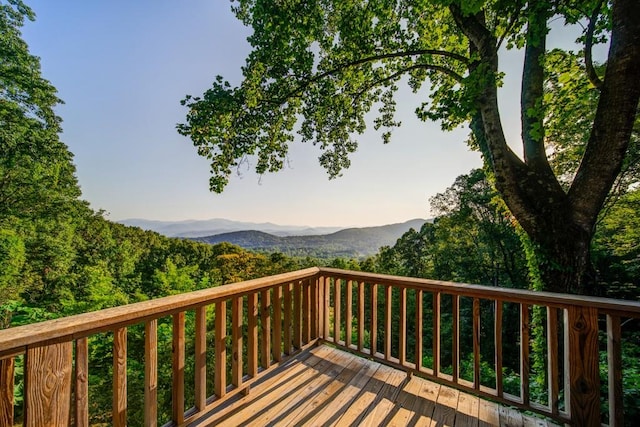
(58, 257)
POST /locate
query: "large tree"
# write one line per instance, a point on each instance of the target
(318, 67)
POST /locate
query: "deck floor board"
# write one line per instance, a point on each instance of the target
(325, 386)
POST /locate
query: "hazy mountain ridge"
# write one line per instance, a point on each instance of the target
(350, 242)
(210, 227)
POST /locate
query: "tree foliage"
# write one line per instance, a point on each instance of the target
(317, 68)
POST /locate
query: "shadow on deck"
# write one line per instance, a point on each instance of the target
(325, 386)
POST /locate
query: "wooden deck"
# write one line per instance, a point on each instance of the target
(325, 386)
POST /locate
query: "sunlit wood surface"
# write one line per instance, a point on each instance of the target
(326, 386)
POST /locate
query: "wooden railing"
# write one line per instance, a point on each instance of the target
(452, 333)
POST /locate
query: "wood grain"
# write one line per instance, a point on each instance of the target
(200, 387)
(82, 383)
(151, 373)
(220, 349)
(120, 377)
(177, 390)
(7, 372)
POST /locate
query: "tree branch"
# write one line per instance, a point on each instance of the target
(588, 46)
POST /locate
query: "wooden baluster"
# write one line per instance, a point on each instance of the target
(402, 347)
(436, 333)
(387, 322)
(419, 327)
(336, 310)
(220, 378)
(566, 363)
(151, 373)
(552, 358)
(360, 316)
(373, 333)
(326, 301)
(82, 383)
(348, 320)
(120, 377)
(614, 358)
(287, 319)
(524, 353)
(498, 347)
(455, 356)
(476, 343)
(265, 323)
(7, 372)
(313, 308)
(177, 391)
(48, 385)
(321, 303)
(276, 345)
(200, 389)
(306, 311)
(252, 334)
(297, 325)
(584, 366)
(236, 341)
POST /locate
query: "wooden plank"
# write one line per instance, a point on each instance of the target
(7, 373)
(342, 399)
(177, 390)
(498, 347)
(120, 377)
(365, 399)
(361, 316)
(402, 412)
(82, 383)
(584, 370)
(509, 417)
(567, 377)
(436, 334)
(336, 310)
(419, 328)
(297, 313)
(425, 405)
(265, 328)
(274, 390)
(614, 359)
(476, 343)
(445, 411)
(47, 400)
(151, 373)
(220, 349)
(455, 358)
(252, 334)
(384, 401)
(402, 331)
(467, 411)
(524, 353)
(387, 322)
(373, 331)
(348, 315)
(488, 414)
(552, 359)
(200, 368)
(276, 343)
(287, 345)
(236, 341)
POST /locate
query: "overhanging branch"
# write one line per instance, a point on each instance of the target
(588, 46)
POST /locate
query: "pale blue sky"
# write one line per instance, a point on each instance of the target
(123, 66)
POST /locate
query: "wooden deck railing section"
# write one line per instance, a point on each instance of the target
(404, 322)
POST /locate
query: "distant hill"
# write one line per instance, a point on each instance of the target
(209, 227)
(350, 242)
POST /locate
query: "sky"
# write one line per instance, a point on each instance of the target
(122, 67)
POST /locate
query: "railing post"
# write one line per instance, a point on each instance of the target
(48, 385)
(583, 367)
(7, 367)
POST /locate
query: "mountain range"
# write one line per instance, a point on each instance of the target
(321, 242)
(346, 243)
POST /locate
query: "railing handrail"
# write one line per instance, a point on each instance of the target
(14, 340)
(605, 305)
